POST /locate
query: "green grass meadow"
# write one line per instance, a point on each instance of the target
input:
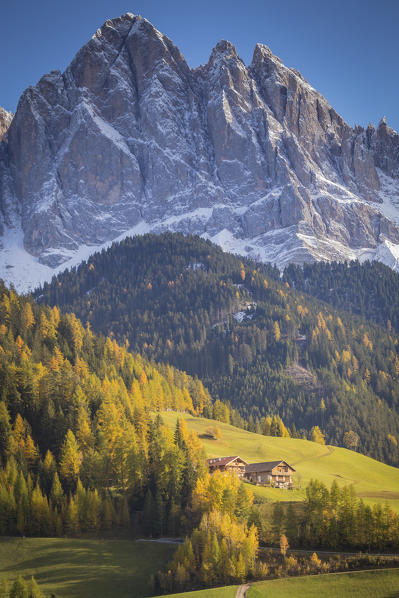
(378, 584)
(80, 568)
(375, 584)
(373, 481)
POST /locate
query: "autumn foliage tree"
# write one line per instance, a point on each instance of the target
(222, 550)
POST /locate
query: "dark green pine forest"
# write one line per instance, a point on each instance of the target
(258, 342)
(370, 290)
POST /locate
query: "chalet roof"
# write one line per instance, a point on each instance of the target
(265, 466)
(223, 461)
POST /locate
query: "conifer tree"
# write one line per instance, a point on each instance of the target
(57, 493)
(33, 589)
(27, 317)
(72, 518)
(19, 589)
(317, 435)
(5, 431)
(70, 460)
(48, 470)
(284, 545)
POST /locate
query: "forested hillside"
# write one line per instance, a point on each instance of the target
(370, 289)
(82, 449)
(251, 338)
(79, 448)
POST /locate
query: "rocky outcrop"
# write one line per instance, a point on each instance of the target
(130, 138)
(385, 147)
(5, 121)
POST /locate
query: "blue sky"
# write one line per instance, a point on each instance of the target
(347, 49)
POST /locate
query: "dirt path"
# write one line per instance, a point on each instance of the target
(242, 590)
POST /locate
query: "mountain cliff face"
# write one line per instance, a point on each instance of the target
(5, 121)
(130, 139)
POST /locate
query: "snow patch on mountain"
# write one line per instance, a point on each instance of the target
(389, 194)
(24, 271)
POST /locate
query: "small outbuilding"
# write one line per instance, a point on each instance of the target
(270, 473)
(231, 464)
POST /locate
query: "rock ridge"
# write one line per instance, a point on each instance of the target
(130, 138)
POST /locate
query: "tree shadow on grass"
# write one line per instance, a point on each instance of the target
(80, 569)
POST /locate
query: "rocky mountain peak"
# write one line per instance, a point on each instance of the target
(130, 139)
(386, 149)
(272, 66)
(225, 69)
(118, 23)
(263, 53)
(223, 49)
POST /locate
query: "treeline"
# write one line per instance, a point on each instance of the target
(27, 508)
(333, 519)
(236, 325)
(370, 289)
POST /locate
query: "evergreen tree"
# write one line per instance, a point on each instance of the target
(317, 435)
(70, 460)
(5, 431)
(19, 589)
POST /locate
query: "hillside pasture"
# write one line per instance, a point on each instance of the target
(379, 584)
(83, 568)
(375, 482)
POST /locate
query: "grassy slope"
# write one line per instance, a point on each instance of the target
(70, 568)
(374, 481)
(379, 584)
